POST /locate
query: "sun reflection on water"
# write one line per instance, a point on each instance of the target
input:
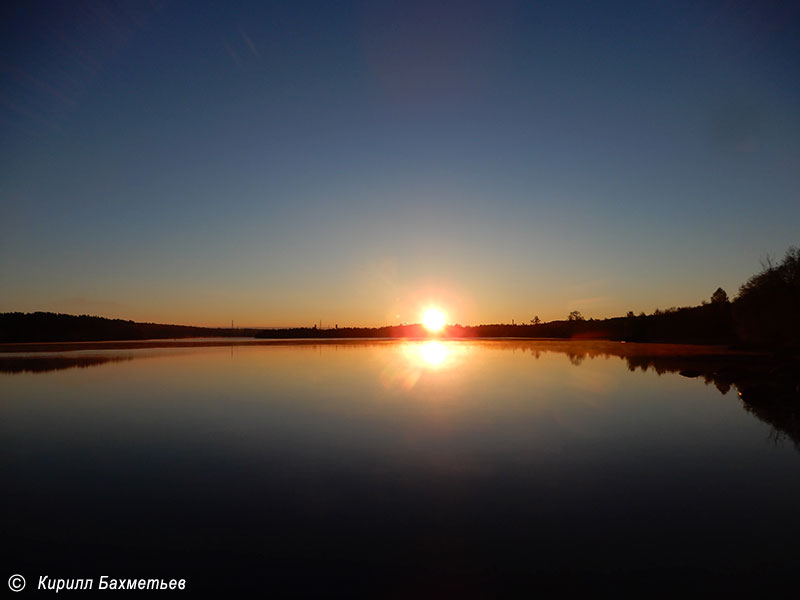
(433, 354)
(416, 359)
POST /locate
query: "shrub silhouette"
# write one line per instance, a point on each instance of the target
(719, 297)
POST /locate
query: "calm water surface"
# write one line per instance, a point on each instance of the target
(419, 468)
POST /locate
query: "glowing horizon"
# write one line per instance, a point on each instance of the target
(278, 165)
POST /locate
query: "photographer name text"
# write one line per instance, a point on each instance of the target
(106, 582)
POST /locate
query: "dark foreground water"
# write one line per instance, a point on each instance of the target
(410, 469)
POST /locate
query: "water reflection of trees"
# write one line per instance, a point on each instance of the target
(44, 364)
(768, 385)
(576, 358)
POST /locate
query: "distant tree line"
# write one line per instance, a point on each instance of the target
(54, 327)
(764, 314)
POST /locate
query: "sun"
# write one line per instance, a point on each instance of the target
(433, 319)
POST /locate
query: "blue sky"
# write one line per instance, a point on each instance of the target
(282, 163)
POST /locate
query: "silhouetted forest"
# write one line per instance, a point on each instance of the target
(708, 324)
(52, 327)
(765, 314)
(767, 310)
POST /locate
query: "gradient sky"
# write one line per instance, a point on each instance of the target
(281, 163)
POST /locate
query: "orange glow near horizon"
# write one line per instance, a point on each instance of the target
(433, 319)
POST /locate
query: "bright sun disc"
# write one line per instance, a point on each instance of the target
(433, 319)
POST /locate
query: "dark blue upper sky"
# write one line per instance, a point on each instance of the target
(281, 163)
